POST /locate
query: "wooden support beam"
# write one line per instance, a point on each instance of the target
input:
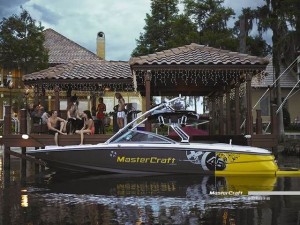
(6, 131)
(274, 119)
(212, 113)
(258, 122)
(23, 121)
(26, 157)
(148, 96)
(56, 99)
(237, 109)
(221, 114)
(228, 112)
(249, 119)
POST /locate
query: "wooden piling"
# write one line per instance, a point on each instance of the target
(7, 131)
(23, 130)
(258, 122)
(274, 127)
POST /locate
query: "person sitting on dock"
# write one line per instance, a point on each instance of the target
(45, 117)
(88, 127)
(56, 125)
(37, 111)
(73, 116)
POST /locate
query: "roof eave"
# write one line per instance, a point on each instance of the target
(199, 67)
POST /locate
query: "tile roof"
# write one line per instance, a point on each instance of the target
(63, 50)
(287, 80)
(195, 54)
(83, 70)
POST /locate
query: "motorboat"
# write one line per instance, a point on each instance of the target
(135, 151)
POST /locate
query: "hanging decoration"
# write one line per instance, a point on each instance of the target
(94, 86)
(196, 77)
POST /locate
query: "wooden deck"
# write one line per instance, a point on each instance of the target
(42, 140)
(263, 140)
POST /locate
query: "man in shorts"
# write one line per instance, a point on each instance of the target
(56, 125)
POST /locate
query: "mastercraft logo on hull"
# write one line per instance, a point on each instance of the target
(154, 160)
(226, 193)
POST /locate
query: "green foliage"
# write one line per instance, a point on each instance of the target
(293, 127)
(283, 19)
(211, 19)
(109, 129)
(257, 46)
(165, 29)
(203, 22)
(21, 43)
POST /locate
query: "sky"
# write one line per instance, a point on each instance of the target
(81, 20)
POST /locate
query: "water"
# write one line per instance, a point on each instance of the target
(50, 198)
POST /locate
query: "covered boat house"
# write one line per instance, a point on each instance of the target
(222, 77)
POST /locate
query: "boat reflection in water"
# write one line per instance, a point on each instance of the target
(184, 199)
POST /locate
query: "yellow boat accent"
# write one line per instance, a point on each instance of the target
(252, 183)
(288, 173)
(247, 164)
(252, 165)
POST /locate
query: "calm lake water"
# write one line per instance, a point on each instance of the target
(49, 198)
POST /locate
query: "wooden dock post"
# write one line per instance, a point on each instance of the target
(7, 131)
(258, 122)
(274, 127)
(23, 130)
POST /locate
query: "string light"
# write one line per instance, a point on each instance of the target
(38, 88)
(197, 77)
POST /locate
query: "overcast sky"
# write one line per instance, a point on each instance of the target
(81, 20)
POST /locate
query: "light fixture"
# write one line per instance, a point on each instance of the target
(25, 136)
(24, 201)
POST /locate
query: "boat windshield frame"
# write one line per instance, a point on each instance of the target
(134, 123)
(142, 137)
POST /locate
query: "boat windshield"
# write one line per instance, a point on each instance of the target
(136, 136)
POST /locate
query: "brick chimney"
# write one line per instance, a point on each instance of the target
(101, 45)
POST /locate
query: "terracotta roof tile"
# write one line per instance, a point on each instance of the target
(86, 70)
(199, 55)
(63, 50)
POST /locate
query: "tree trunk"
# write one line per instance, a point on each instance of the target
(276, 63)
(278, 92)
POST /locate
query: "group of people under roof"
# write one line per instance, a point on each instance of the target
(77, 122)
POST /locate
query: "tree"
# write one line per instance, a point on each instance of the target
(211, 19)
(291, 45)
(253, 45)
(279, 17)
(21, 43)
(164, 29)
(257, 46)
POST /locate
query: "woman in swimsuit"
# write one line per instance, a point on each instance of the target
(88, 127)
